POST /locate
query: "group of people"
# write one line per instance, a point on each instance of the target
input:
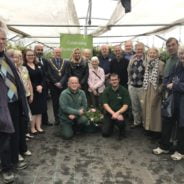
(120, 84)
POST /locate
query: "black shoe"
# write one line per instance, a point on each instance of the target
(41, 132)
(48, 124)
(56, 123)
(8, 177)
(135, 126)
(121, 135)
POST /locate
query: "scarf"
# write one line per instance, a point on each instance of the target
(151, 74)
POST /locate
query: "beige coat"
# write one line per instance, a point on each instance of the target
(152, 105)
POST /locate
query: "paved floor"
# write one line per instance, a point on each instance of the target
(91, 159)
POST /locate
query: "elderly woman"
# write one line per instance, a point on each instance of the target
(24, 75)
(152, 85)
(175, 83)
(96, 82)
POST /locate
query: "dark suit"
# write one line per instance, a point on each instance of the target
(57, 72)
(44, 65)
(119, 66)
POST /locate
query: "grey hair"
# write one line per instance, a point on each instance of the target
(95, 58)
(181, 49)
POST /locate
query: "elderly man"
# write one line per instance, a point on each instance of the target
(128, 50)
(13, 108)
(105, 59)
(115, 102)
(44, 64)
(119, 66)
(86, 54)
(136, 70)
(73, 104)
(57, 75)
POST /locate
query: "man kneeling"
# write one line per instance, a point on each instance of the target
(115, 103)
(72, 103)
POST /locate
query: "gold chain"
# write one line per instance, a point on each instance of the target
(55, 68)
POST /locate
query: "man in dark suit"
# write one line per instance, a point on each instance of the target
(43, 63)
(58, 76)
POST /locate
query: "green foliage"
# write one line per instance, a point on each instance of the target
(48, 55)
(17, 47)
(94, 116)
(96, 51)
(164, 56)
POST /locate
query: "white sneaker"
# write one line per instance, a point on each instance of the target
(158, 151)
(27, 139)
(28, 135)
(8, 177)
(27, 153)
(177, 156)
(21, 158)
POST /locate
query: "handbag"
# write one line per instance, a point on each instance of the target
(167, 107)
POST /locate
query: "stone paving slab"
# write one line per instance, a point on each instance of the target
(92, 159)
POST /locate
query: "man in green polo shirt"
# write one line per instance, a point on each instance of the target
(115, 103)
(73, 104)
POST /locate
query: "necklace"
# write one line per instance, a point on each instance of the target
(55, 68)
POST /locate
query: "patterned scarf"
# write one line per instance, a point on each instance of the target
(151, 74)
(9, 79)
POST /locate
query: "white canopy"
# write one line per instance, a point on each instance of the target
(45, 20)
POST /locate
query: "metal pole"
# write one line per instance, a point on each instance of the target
(111, 25)
(88, 17)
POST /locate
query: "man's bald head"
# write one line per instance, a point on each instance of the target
(38, 50)
(57, 52)
(128, 46)
(73, 83)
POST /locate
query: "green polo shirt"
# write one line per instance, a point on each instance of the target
(116, 99)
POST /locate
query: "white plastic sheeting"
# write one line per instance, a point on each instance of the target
(104, 12)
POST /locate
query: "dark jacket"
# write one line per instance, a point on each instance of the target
(105, 63)
(79, 70)
(44, 66)
(177, 77)
(6, 125)
(119, 66)
(56, 74)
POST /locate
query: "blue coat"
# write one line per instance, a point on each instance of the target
(177, 77)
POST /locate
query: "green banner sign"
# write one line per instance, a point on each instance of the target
(68, 42)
